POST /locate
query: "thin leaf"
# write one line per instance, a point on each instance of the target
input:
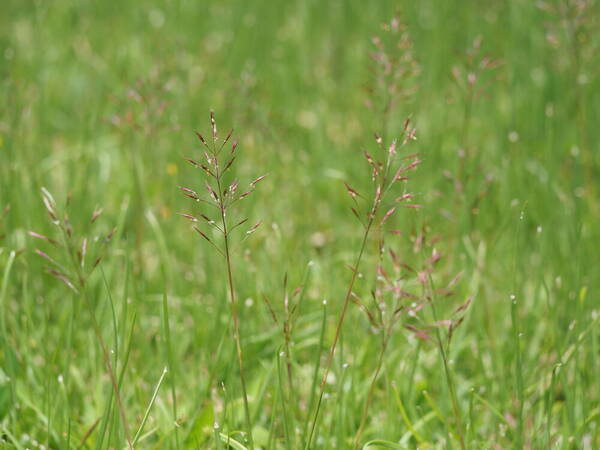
(147, 413)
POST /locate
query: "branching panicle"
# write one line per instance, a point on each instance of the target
(401, 292)
(383, 181)
(223, 194)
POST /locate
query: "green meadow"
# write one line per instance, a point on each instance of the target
(419, 267)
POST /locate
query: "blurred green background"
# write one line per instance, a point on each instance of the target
(100, 100)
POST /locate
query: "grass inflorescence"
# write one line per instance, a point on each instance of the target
(163, 293)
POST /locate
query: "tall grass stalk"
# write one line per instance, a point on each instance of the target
(138, 433)
(3, 313)
(448, 373)
(76, 279)
(384, 175)
(110, 370)
(373, 384)
(516, 328)
(338, 331)
(236, 321)
(315, 379)
(165, 319)
(222, 197)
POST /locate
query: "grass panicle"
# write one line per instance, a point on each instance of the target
(461, 322)
(391, 170)
(222, 194)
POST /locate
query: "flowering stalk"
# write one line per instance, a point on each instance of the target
(383, 176)
(82, 259)
(221, 197)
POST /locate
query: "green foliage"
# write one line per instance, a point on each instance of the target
(100, 103)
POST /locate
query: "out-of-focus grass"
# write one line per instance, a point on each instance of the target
(100, 99)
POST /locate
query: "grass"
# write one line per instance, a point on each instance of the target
(101, 105)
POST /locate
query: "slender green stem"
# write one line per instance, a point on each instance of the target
(338, 329)
(447, 371)
(317, 367)
(3, 315)
(169, 351)
(107, 359)
(365, 413)
(234, 309)
(514, 314)
(286, 420)
(138, 434)
(109, 367)
(165, 320)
